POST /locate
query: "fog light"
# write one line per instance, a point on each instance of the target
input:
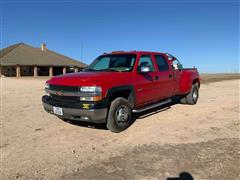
(85, 118)
(86, 98)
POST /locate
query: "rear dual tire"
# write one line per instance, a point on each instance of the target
(192, 97)
(119, 115)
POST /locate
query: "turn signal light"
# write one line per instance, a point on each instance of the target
(97, 98)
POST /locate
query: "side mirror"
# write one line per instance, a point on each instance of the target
(145, 69)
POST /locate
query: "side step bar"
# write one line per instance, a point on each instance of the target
(151, 106)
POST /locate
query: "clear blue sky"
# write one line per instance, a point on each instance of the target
(201, 33)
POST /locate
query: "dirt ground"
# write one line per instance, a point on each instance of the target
(175, 142)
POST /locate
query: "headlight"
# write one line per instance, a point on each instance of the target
(46, 86)
(92, 89)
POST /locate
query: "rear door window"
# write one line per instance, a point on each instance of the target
(161, 63)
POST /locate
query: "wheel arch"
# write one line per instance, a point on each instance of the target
(196, 81)
(125, 91)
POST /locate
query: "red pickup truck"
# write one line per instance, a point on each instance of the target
(118, 84)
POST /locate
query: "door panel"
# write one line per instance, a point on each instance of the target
(166, 79)
(165, 84)
(146, 85)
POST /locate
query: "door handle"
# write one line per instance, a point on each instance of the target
(170, 76)
(156, 77)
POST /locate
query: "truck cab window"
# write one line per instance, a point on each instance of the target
(103, 64)
(113, 62)
(146, 60)
(161, 62)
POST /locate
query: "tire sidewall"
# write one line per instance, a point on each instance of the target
(195, 90)
(112, 123)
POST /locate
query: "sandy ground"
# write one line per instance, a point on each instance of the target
(201, 140)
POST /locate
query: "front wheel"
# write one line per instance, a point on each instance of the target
(119, 115)
(192, 97)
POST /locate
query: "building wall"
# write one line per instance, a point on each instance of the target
(10, 71)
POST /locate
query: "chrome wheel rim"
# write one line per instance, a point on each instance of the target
(195, 95)
(122, 114)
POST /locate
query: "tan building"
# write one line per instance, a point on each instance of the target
(24, 60)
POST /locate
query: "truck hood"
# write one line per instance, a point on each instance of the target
(89, 78)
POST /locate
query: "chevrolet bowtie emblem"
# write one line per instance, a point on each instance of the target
(59, 93)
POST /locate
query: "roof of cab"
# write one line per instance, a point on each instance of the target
(133, 52)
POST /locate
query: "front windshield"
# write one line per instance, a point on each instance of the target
(113, 62)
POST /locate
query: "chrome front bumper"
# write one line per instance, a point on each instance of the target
(91, 115)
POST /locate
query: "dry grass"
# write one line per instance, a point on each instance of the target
(208, 78)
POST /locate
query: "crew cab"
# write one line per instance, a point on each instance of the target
(117, 84)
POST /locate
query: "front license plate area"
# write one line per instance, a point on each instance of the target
(58, 111)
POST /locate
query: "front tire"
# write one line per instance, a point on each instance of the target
(192, 97)
(119, 115)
